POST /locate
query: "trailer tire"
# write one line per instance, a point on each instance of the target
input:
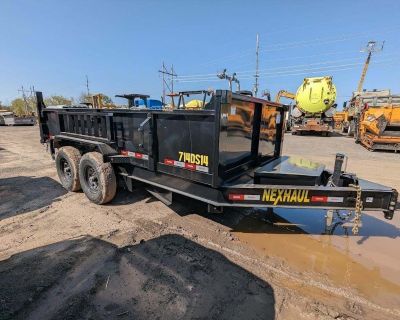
(67, 164)
(97, 178)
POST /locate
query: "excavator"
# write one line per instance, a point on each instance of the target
(285, 94)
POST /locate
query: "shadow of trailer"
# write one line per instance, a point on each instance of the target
(192, 153)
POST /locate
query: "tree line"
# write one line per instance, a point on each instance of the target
(27, 106)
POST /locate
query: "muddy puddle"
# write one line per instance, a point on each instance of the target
(367, 264)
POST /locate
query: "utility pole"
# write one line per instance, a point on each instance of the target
(172, 78)
(87, 86)
(167, 80)
(257, 75)
(370, 48)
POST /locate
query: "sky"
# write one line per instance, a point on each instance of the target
(120, 45)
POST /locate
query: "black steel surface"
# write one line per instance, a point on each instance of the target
(201, 153)
(289, 171)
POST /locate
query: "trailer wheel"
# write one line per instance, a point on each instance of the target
(97, 178)
(67, 163)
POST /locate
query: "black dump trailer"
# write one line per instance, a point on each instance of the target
(226, 154)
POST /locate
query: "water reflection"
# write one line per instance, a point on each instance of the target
(367, 264)
(269, 119)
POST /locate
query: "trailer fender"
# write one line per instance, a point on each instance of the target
(90, 145)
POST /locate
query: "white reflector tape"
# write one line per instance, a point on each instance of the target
(202, 168)
(241, 197)
(185, 165)
(251, 197)
(179, 164)
(138, 155)
(335, 199)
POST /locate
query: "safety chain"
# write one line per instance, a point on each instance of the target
(358, 210)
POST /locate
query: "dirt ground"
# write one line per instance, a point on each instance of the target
(63, 257)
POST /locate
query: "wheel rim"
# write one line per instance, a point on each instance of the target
(92, 179)
(66, 170)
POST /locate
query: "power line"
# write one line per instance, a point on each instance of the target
(295, 44)
(298, 72)
(329, 63)
(320, 68)
(276, 68)
(280, 46)
(294, 58)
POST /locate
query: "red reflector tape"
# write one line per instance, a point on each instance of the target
(136, 155)
(241, 197)
(326, 199)
(319, 199)
(190, 166)
(233, 196)
(185, 165)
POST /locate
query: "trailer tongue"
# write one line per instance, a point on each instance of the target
(227, 154)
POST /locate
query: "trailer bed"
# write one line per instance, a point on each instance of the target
(226, 154)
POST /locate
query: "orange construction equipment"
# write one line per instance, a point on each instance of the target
(339, 118)
(98, 102)
(378, 127)
(347, 119)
